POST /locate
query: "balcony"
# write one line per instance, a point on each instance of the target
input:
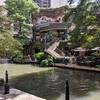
(51, 26)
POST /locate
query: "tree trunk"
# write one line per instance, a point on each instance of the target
(20, 28)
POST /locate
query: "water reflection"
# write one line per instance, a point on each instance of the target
(51, 86)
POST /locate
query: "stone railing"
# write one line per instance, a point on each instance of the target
(51, 26)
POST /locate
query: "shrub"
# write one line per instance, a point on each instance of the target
(96, 54)
(44, 63)
(40, 56)
(47, 63)
(50, 62)
(44, 60)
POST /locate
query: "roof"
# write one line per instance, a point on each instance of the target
(51, 12)
(79, 49)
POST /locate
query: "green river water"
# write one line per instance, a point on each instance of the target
(50, 83)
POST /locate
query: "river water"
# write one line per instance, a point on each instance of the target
(51, 85)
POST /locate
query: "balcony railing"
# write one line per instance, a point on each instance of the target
(51, 26)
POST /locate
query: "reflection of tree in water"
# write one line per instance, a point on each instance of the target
(52, 85)
(82, 83)
(41, 85)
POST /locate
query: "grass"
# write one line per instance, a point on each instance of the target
(17, 69)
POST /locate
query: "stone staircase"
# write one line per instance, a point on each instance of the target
(55, 52)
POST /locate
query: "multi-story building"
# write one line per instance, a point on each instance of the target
(51, 3)
(43, 3)
(51, 11)
(58, 3)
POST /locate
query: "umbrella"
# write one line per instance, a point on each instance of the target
(79, 49)
(96, 49)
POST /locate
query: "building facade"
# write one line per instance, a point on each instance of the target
(43, 3)
(58, 3)
(51, 3)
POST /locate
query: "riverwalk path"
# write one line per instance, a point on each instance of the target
(77, 67)
(18, 95)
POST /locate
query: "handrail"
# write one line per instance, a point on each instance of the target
(50, 26)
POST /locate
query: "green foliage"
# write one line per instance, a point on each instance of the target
(69, 13)
(90, 19)
(40, 56)
(4, 20)
(84, 16)
(20, 11)
(18, 57)
(43, 60)
(50, 62)
(47, 63)
(92, 40)
(88, 39)
(8, 45)
(96, 54)
(23, 39)
(44, 63)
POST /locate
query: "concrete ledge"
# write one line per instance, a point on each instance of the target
(77, 67)
(18, 95)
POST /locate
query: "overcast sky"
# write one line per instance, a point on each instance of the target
(2, 2)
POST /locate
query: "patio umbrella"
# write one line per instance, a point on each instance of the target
(96, 49)
(79, 49)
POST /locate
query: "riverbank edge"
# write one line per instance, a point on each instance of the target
(33, 70)
(18, 95)
(77, 67)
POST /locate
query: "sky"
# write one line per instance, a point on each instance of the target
(74, 4)
(2, 2)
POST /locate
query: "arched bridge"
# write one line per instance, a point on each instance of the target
(50, 26)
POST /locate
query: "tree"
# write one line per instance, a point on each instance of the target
(8, 45)
(20, 12)
(4, 20)
(70, 1)
(83, 16)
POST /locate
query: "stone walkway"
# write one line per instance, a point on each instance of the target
(77, 67)
(18, 95)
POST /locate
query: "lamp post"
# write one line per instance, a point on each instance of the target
(67, 91)
(6, 85)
